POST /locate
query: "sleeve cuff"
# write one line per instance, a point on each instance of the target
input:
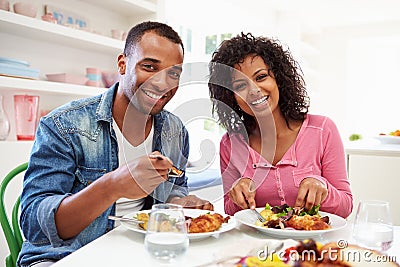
(46, 217)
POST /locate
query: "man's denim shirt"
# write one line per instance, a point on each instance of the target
(75, 145)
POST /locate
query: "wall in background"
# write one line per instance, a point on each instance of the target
(348, 53)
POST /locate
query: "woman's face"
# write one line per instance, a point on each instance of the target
(256, 91)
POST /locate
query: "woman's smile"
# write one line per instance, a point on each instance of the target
(260, 101)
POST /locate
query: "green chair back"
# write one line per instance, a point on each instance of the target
(11, 231)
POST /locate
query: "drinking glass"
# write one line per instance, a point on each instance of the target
(166, 238)
(373, 226)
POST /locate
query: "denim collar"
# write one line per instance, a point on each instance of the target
(104, 109)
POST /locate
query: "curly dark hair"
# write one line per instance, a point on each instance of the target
(136, 33)
(293, 98)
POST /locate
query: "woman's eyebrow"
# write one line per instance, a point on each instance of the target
(239, 80)
(258, 71)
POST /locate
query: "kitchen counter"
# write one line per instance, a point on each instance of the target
(374, 171)
(372, 147)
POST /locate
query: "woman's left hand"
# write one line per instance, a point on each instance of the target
(311, 192)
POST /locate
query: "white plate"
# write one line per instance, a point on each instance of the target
(248, 218)
(14, 62)
(190, 213)
(388, 139)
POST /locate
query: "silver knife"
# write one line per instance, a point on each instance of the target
(125, 219)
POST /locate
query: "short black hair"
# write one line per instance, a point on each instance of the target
(162, 29)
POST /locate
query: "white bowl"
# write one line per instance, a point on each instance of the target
(25, 8)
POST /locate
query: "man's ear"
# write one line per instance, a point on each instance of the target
(121, 64)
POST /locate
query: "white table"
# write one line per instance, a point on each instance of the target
(123, 247)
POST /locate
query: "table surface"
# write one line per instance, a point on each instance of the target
(123, 247)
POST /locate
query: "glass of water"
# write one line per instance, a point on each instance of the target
(166, 238)
(373, 226)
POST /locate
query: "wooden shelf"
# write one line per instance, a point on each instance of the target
(37, 29)
(48, 87)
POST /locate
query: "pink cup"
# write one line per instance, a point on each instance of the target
(5, 5)
(26, 111)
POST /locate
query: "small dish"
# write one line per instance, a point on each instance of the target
(25, 8)
(93, 83)
(14, 62)
(67, 78)
(18, 71)
(388, 139)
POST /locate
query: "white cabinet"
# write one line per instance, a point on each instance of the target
(375, 174)
(53, 48)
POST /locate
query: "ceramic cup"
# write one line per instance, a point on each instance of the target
(94, 76)
(5, 5)
(25, 8)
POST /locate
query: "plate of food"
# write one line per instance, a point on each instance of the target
(201, 223)
(391, 138)
(283, 221)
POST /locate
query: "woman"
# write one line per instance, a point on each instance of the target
(274, 151)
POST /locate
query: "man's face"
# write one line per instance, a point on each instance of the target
(152, 73)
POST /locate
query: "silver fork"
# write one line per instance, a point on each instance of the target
(259, 217)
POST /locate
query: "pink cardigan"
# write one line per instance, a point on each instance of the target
(317, 152)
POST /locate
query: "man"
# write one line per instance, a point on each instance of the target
(114, 148)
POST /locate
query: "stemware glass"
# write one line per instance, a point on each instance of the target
(166, 238)
(373, 226)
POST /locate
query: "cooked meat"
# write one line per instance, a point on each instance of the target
(307, 222)
(206, 223)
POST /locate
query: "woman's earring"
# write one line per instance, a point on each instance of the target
(240, 111)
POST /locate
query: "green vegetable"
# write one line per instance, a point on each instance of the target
(355, 137)
(314, 210)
